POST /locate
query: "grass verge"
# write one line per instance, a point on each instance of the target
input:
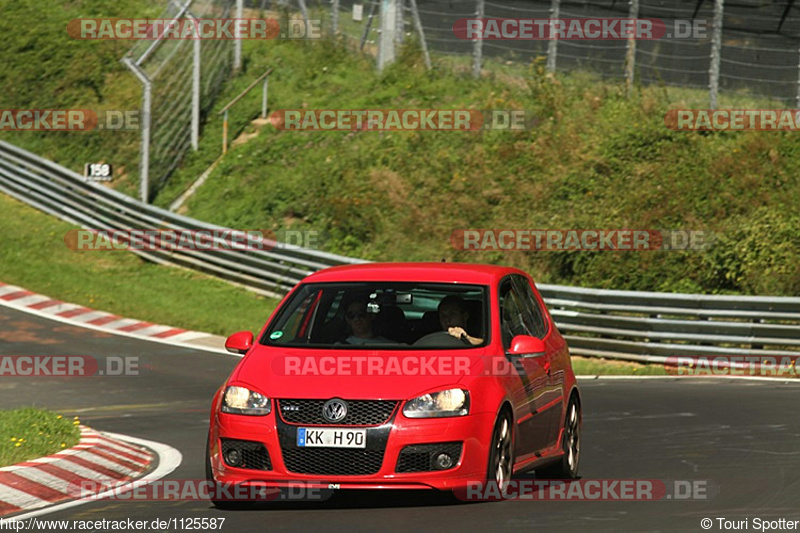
(591, 366)
(28, 433)
(33, 255)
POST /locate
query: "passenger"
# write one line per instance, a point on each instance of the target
(359, 321)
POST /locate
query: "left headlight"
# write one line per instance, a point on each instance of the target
(242, 401)
(451, 402)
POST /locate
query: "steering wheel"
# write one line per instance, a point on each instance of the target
(441, 339)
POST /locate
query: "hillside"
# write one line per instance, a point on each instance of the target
(595, 159)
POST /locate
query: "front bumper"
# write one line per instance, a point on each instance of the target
(474, 431)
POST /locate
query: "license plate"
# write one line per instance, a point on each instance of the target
(331, 438)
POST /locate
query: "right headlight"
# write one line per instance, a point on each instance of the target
(242, 401)
(450, 402)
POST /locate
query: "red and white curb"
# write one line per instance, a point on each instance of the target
(97, 458)
(77, 315)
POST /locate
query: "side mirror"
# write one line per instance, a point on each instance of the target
(527, 346)
(239, 343)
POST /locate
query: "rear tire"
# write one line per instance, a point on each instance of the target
(567, 465)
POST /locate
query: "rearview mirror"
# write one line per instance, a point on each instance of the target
(239, 343)
(527, 346)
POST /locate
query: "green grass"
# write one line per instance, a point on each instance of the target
(33, 255)
(591, 366)
(29, 433)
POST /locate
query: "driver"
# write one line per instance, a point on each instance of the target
(453, 317)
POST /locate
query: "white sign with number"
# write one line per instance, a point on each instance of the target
(97, 172)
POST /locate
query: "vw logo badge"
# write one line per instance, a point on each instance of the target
(334, 410)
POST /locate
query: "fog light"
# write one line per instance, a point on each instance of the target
(233, 457)
(443, 461)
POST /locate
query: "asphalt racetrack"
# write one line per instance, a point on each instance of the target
(738, 440)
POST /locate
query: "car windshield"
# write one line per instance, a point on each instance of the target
(382, 315)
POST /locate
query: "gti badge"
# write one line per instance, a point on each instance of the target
(334, 410)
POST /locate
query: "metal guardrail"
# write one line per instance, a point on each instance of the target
(639, 326)
(651, 326)
(63, 193)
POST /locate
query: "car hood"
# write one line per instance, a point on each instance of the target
(322, 374)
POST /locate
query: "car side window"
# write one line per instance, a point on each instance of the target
(532, 310)
(513, 321)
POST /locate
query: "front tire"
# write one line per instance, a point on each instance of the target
(567, 466)
(501, 453)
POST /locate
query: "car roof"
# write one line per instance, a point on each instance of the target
(425, 272)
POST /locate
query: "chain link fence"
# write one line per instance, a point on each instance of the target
(180, 81)
(759, 53)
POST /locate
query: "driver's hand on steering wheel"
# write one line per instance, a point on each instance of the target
(457, 332)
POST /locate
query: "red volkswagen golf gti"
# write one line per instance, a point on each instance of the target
(399, 375)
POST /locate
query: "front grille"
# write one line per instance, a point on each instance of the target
(359, 412)
(421, 457)
(254, 455)
(333, 461)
